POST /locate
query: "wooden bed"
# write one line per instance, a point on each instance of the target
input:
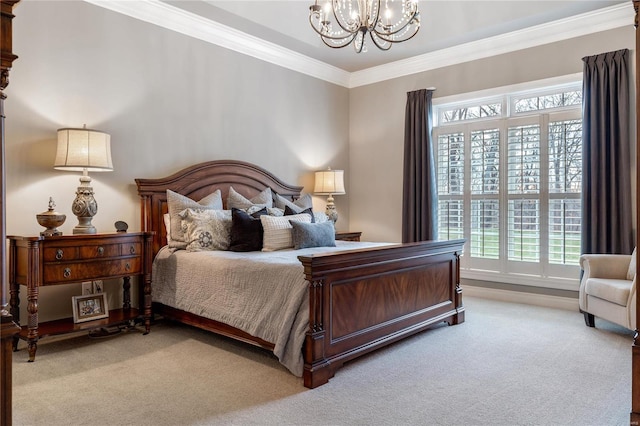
(359, 300)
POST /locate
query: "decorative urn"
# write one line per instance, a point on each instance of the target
(51, 220)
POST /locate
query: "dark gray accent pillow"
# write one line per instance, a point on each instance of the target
(290, 212)
(246, 230)
(306, 235)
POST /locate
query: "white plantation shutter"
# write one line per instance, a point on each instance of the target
(450, 178)
(509, 181)
(565, 187)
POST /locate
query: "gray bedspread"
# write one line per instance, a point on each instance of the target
(262, 293)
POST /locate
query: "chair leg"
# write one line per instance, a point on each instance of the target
(589, 319)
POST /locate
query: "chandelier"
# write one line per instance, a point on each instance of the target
(341, 22)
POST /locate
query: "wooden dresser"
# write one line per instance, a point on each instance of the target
(42, 261)
(348, 236)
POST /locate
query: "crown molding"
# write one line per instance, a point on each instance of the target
(192, 25)
(563, 29)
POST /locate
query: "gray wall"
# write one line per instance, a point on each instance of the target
(168, 101)
(376, 119)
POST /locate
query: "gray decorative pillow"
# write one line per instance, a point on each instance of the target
(237, 201)
(178, 203)
(302, 203)
(206, 230)
(306, 235)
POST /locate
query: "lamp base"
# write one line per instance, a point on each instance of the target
(331, 211)
(84, 229)
(84, 207)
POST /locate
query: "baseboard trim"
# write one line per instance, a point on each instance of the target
(558, 302)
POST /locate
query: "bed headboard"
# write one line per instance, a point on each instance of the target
(200, 180)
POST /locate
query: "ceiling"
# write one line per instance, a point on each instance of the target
(444, 24)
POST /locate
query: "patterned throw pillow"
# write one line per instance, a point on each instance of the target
(238, 201)
(277, 231)
(206, 230)
(178, 203)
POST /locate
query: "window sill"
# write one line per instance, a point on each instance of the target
(559, 283)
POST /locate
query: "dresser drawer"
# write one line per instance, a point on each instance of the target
(85, 271)
(92, 251)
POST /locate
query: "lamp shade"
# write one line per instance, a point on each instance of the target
(329, 182)
(83, 149)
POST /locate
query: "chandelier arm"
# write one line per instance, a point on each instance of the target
(399, 40)
(351, 38)
(378, 45)
(334, 3)
(351, 35)
(363, 32)
(375, 22)
(401, 28)
(323, 35)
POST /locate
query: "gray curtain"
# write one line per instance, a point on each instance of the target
(606, 186)
(419, 196)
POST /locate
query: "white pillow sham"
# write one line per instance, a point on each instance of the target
(302, 203)
(277, 231)
(239, 201)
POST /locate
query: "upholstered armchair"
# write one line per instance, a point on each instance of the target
(608, 288)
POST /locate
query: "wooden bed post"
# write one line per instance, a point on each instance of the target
(7, 327)
(635, 351)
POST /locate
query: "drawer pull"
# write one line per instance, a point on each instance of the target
(127, 266)
(59, 254)
(100, 251)
(67, 272)
(132, 249)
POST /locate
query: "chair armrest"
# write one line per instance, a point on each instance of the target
(605, 265)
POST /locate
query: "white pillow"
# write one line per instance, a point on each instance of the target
(238, 201)
(167, 225)
(206, 230)
(302, 203)
(277, 231)
(178, 203)
(631, 272)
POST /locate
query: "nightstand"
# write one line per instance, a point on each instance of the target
(43, 261)
(348, 236)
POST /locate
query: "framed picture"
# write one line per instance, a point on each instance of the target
(87, 288)
(90, 307)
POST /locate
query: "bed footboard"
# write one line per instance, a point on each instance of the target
(362, 300)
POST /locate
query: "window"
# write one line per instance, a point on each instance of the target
(509, 181)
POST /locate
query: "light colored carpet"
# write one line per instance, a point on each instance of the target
(508, 364)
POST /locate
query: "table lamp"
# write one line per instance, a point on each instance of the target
(330, 182)
(87, 151)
